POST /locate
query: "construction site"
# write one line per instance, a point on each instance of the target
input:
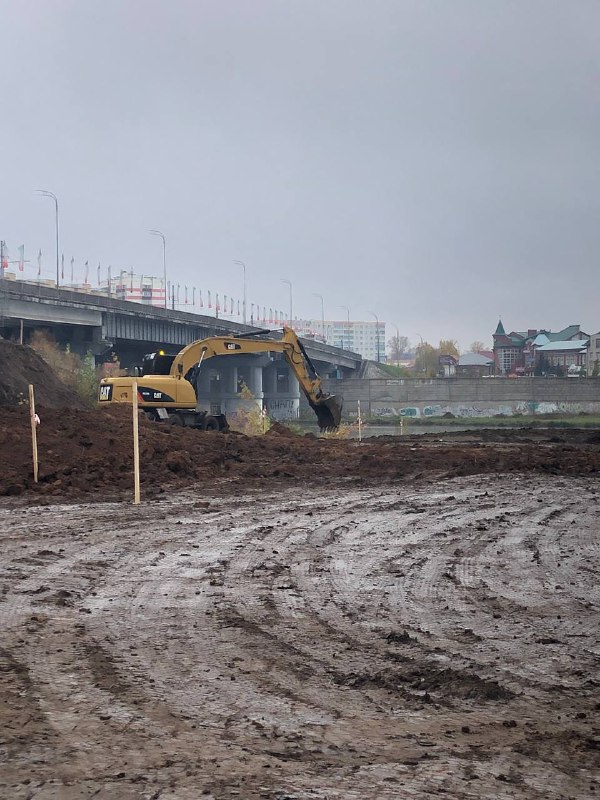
(292, 616)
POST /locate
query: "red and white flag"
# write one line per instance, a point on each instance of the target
(21, 258)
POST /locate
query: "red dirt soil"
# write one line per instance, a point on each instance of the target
(89, 453)
(21, 365)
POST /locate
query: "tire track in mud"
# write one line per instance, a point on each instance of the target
(363, 643)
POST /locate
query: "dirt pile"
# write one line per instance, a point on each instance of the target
(20, 366)
(89, 452)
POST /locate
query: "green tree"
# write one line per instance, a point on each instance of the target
(449, 347)
(398, 345)
(426, 360)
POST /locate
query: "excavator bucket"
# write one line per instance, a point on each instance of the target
(329, 412)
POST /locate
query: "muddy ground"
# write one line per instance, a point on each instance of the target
(432, 633)
(88, 454)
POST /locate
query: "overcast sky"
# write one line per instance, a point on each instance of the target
(434, 162)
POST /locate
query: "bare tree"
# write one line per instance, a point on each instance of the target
(477, 346)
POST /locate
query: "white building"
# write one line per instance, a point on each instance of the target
(364, 337)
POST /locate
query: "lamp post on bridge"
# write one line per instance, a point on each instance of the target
(320, 296)
(164, 243)
(289, 283)
(46, 193)
(372, 313)
(243, 266)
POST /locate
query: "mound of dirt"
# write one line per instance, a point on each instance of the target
(88, 453)
(277, 429)
(21, 365)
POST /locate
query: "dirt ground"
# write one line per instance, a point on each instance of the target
(88, 454)
(426, 632)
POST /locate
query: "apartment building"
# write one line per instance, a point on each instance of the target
(366, 337)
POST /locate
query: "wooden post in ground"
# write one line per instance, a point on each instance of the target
(33, 418)
(136, 446)
(359, 424)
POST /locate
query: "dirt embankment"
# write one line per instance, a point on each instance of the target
(89, 453)
(21, 365)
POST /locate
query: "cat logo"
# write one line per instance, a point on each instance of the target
(106, 392)
(232, 346)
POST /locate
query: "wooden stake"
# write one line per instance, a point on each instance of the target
(136, 447)
(359, 424)
(33, 419)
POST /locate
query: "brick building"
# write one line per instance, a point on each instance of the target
(521, 352)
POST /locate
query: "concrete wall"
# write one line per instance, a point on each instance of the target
(466, 397)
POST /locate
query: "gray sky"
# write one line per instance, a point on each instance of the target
(435, 162)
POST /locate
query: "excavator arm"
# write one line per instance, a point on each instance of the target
(328, 408)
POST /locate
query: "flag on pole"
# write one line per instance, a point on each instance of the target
(62, 267)
(109, 279)
(251, 312)
(131, 281)
(87, 270)
(3, 258)
(225, 304)
(21, 258)
(217, 304)
(39, 263)
(238, 310)
(194, 296)
(98, 273)
(209, 300)
(72, 267)
(177, 294)
(185, 297)
(270, 315)
(201, 300)
(231, 305)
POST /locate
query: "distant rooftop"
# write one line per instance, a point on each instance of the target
(579, 344)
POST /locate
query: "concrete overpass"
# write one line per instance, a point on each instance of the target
(97, 323)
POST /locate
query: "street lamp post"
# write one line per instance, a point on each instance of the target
(164, 243)
(397, 341)
(243, 266)
(421, 338)
(376, 335)
(289, 283)
(347, 310)
(320, 296)
(46, 193)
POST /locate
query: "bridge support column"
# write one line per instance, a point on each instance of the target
(281, 392)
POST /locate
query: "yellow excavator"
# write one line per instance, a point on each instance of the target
(168, 387)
